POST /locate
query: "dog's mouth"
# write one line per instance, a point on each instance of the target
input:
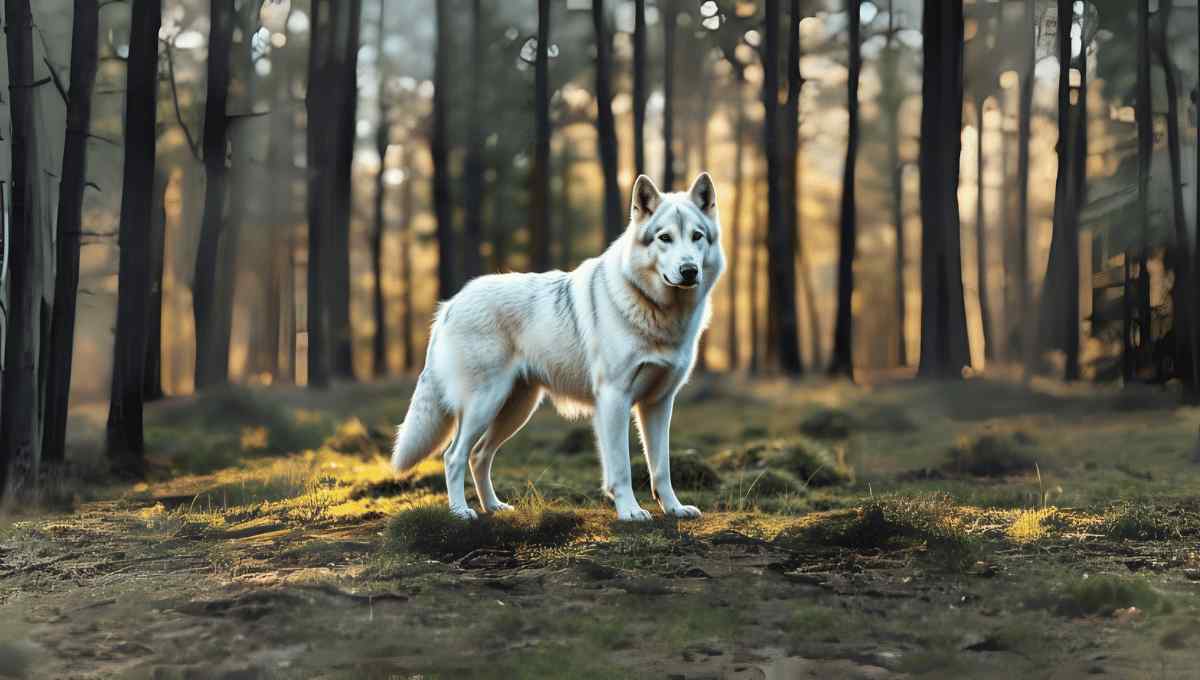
(685, 286)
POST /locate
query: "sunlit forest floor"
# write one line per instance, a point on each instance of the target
(906, 529)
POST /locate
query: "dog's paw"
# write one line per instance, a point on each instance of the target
(498, 506)
(683, 511)
(463, 512)
(635, 514)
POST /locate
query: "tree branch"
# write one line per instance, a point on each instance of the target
(191, 141)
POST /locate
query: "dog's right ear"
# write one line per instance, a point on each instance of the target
(646, 199)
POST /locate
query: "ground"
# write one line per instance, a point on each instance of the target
(907, 529)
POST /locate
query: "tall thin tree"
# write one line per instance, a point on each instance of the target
(439, 149)
(667, 15)
(85, 32)
(472, 257)
(1026, 326)
(735, 227)
(891, 99)
(606, 124)
(1144, 117)
(383, 141)
(843, 332)
(639, 86)
(348, 27)
(791, 141)
(539, 205)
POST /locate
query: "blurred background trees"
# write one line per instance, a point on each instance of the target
(205, 192)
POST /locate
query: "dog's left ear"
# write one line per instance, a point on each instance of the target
(704, 194)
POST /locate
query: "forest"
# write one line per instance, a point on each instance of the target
(943, 422)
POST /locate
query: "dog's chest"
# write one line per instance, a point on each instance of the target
(653, 381)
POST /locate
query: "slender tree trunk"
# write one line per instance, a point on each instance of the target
(153, 389)
(1144, 113)
(791, 140)
(21, 418)
(348, 18)
(606, 124)
(472, 260)
(781, 248)
(383, 141)
(439, 148)
(735, 252)
(667, 14)
(1026, 325)
(981, 238)
(406, 258)
(125, 440)
(891, 101)
(539, 218)
(639, 86)
(1185, 283)
(1195, 309)
(758, 240)
(944, 349)
(212, 367)
(319, 164)
(84, 62)
(1008, 304)
(843, 333)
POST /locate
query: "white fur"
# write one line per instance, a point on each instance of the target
(616, 335)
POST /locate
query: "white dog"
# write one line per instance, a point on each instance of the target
(618, 334)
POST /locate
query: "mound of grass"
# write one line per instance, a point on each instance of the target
(688, 473)
(764, 483)
(829, 423)
(430, 481)
(993, 455)
(352, 437)
(1103, 595)
(812, 463)
(431, 530)
(888, 418)
(1143, 521)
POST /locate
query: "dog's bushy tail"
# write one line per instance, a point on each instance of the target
(427, 425)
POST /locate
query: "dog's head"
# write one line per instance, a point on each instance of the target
(677, 236)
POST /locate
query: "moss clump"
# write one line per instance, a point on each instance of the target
(688, 473)
(812, 463)
(829, 423)
(353, 438)
(764, 483)
(993, 455)
(1103, 595)
(432, 530)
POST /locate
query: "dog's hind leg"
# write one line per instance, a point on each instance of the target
(517, 410)
(477, 415)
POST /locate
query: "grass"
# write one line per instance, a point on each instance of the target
(1103, 595)
(813, 463)
(433, 531)
(993, 454)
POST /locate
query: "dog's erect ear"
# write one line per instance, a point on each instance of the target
(704, 193)
(646, 198)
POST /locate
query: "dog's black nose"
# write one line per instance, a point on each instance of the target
(688, 273)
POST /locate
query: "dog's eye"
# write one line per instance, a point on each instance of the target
(696, 236)
(665, 238)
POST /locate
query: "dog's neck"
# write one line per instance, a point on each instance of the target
(664, 314)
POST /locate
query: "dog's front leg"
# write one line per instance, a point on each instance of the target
(612, 432)
(655, 422)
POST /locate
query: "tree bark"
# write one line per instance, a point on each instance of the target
(383, 141)
(735, 250)
(758, 240)
(781, 247)
(843, 333)
(667, 14)
(791, 141)
(348, 15)
(1144, 114)
(212, 366)
(1026, 327)
(639, 86)
(981, 238)
(539, 218)
(125, 438)
(21, 418)
(319, 163)
(84, 63)
(406, 257)
(472, 258)
(944, 348)
(892, 99)
(439, 149)
(153, 389)
(606, 125)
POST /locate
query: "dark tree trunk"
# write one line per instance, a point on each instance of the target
(439, 149)
(153, 389)
(319, 162)
(472, 260)
(1144, 112)
(406, 258)
(735, 240)
(212, 366)
(944, 349)
(21, 418)
(348, 18)
(891, 102)
(667, 14)
(125, 440)
(843, 332)
(981, 238)
(84, 61)
(791, 140)
(781, 249)
(639, 86)
(539, 218)
(282, 179)
(1026, 326)
(606, 124)
(1195, 302)
(1185, 275)
(383, 140)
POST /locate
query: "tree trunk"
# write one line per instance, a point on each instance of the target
(639, 86)
(735, 239)
(472, 258)
(348, 16)
(439, 149)
(667, 14)
(791, 141)
(84, 62)
(21, 419)
(606, 125)
(1185, 283)
(981, 238)
(383, 140)
(758, 240)
(212, 367)
(125, 440)
(319, 163)
(153, 389)
(1025, 326)
(539, 218)
(843, 333)
(1144, 113)
(406, 257)
(891, 102)
(781, 247)
(944, 349)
